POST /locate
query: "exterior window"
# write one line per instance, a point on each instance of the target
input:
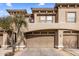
(71, 17)
(31, 20)
(49, 18)
(46, 19)
(42, 18)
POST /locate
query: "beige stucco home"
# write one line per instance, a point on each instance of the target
(56, 27)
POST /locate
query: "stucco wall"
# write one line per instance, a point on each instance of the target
(62, 14)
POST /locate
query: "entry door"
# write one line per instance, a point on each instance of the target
(70, 41)
(37, 41)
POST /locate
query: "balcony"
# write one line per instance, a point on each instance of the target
(43, 26)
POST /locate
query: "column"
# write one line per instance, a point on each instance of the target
(35, 17)
(53, 19)
(56, 40)
(58, 43)
(60, 39)
(4, 39)
(78, 41)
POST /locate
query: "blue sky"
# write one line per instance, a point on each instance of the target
(27, 6)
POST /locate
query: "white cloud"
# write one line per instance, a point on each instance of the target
(41, 4)
(9, 4)
(3, 13)
(29, 10)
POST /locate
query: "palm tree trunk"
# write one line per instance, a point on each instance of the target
(13, 43)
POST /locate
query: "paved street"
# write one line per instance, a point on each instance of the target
(42, 52)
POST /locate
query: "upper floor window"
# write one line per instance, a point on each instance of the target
(46, 19)
(71, 17)
(42, 18)
(49, 18)
(31, 20)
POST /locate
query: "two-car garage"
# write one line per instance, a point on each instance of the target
(46, 39)
(40, 39)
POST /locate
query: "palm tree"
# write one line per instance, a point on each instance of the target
(18, 20)
(6, 24)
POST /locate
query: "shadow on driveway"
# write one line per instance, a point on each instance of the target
(42, 52)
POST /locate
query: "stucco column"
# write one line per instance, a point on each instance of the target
(56, 39)
(78, 41)
(60, 39)
(5, 35)
(53, 19)
(35, 17)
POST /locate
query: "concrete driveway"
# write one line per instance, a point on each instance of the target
(42, 52)
(75, 52)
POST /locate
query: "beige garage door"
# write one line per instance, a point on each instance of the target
(40, 41)
(70, 41)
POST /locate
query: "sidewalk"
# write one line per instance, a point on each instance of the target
(3, 51)
(74, 52)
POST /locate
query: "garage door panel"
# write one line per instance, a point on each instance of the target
(41, 42)
(70, 41)
(33, 42)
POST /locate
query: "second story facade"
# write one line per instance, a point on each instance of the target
(62, 16)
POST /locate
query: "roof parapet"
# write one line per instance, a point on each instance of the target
(66, 5)
(43, 10)
(17, 11)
